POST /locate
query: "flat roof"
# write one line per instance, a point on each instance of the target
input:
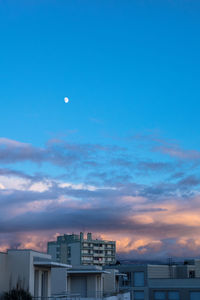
(51, 264)
(87, 272)
(87, 267)
(28, 250)
(121, 274)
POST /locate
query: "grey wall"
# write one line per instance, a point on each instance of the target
(75, 254)
(3, 272)
(58, 280)
(52, 251)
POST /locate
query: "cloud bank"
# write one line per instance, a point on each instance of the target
(148, 203)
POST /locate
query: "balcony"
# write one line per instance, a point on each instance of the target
(98, 295)
(98, 248)
(98, 255)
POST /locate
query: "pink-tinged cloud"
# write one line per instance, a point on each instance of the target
(139, 226)
(179, 153)
(151, 208)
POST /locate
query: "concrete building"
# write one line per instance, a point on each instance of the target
(162, 282)
(75, 250)
(31, 270)
(88, 283)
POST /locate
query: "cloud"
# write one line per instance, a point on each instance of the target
(151, 166)
(177, 152)
(190, 181)
(149, 206)
(118, 213)
(1, 186)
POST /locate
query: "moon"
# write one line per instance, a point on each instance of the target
(66, 100)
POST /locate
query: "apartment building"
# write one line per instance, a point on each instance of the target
(162, 282)
(76, 250)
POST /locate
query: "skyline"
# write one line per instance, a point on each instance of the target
(122, 158)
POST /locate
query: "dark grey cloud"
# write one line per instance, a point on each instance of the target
(125, 187)
(151, 166)
(99, 219)
(189, 181)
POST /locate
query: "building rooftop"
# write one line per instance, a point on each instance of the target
(51, 264)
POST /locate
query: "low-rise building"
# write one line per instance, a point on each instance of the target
(88, 283)
(76, 250)
(28, 269)
(162, 282)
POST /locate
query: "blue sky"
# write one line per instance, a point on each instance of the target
(131, 65)
(131, 72)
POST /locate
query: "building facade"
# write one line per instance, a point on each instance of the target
(27, 269)
(87, 283)
(162, 282)
(75, 250)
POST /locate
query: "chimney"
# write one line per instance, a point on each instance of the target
(89, 236)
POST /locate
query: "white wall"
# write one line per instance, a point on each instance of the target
(18, 268)
(3, 273)
(158, 271)
(88, 285)
(32, 268)
(110, 281)
(92, 286)
(123, 296)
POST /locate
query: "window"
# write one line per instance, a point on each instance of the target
(86, 258)
(173, 295)
(194, 295)
(44, 284)
(192, 274)
(108, 259)
(68, 251)
(159, 295)
(36, 283)
(127, 279)
(138, 278)
(139, 295)
(84, 251)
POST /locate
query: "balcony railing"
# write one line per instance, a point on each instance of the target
(98, 295)
(60, 297)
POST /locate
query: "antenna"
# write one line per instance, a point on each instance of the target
(170, 267)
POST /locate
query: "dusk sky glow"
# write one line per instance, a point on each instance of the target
(122, 158)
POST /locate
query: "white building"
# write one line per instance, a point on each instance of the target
(88, 283)
(31, 270)
(37, 273)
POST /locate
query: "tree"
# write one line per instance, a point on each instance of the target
(17, 294)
